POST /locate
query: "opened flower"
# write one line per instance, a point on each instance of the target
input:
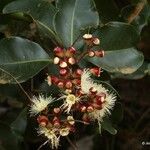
(39, 104)
(103, 100)
(50, 134)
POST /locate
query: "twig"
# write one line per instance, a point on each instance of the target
(138, 8)
(70, 142)
(17, 83)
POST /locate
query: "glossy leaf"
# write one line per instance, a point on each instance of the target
(125, 61)
(21, 58)
(107, 125)
(74, 16)
(140, 73)
(42, 11)
(117, 36)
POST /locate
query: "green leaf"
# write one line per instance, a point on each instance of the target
(74, 16)
(125, 61)
(19, 125)
(117, 36)
(21, 59)
(107, 9)
(107, 125)
(42, 11)
(140, 73)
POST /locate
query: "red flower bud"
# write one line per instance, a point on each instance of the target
(83, 108)
(56, 122)
(91, 53)
(72, 50)
(63, 71)
(58, 51)
(90, 108)
(57, 110)
(60, 84)
(68, 84)
(96, 41)
(96, 71)
(42, 120)
(54, 80)
(63, 64)
(99, 53)
(71, 61)
(79, 72)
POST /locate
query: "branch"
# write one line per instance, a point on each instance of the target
(138, 8)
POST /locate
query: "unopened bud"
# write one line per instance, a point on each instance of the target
(93, 90)
(87, 36)
(71, 61)
(96, 41)
(56, 122)
(91, 53)
(60, 84)
(63, 64)
(83, 109)
(68, 84)
(56, 60)
(100, 53)
(42, 120)
(57, 110)
(63, 71)
(96, 71)
(90, 108)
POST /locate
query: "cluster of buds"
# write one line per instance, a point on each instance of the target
(80, 94)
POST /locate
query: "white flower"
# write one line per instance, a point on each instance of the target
(38, 104)
(64, 131)
(50, 134)
(70, 100)
(109, 100)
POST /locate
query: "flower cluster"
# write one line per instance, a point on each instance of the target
(79, 94)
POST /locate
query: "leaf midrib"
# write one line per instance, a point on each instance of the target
(72, 22)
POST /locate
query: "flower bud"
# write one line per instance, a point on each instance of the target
(57, 110)
(70, 51)
(68, 84)
(83, 108)
(71, 120)
(64, 131)
(90, 108)
(60, 84)
(63, 64)
(87, 36)
(58, 51)
(96, 71)
(91, 53)
(54, 80)
(71, 61)
(56, 60)
(99, 53)
(42, 120)
(79, 72)
(49, 80)
(56, 122)
(63, 72)
(96, 41)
